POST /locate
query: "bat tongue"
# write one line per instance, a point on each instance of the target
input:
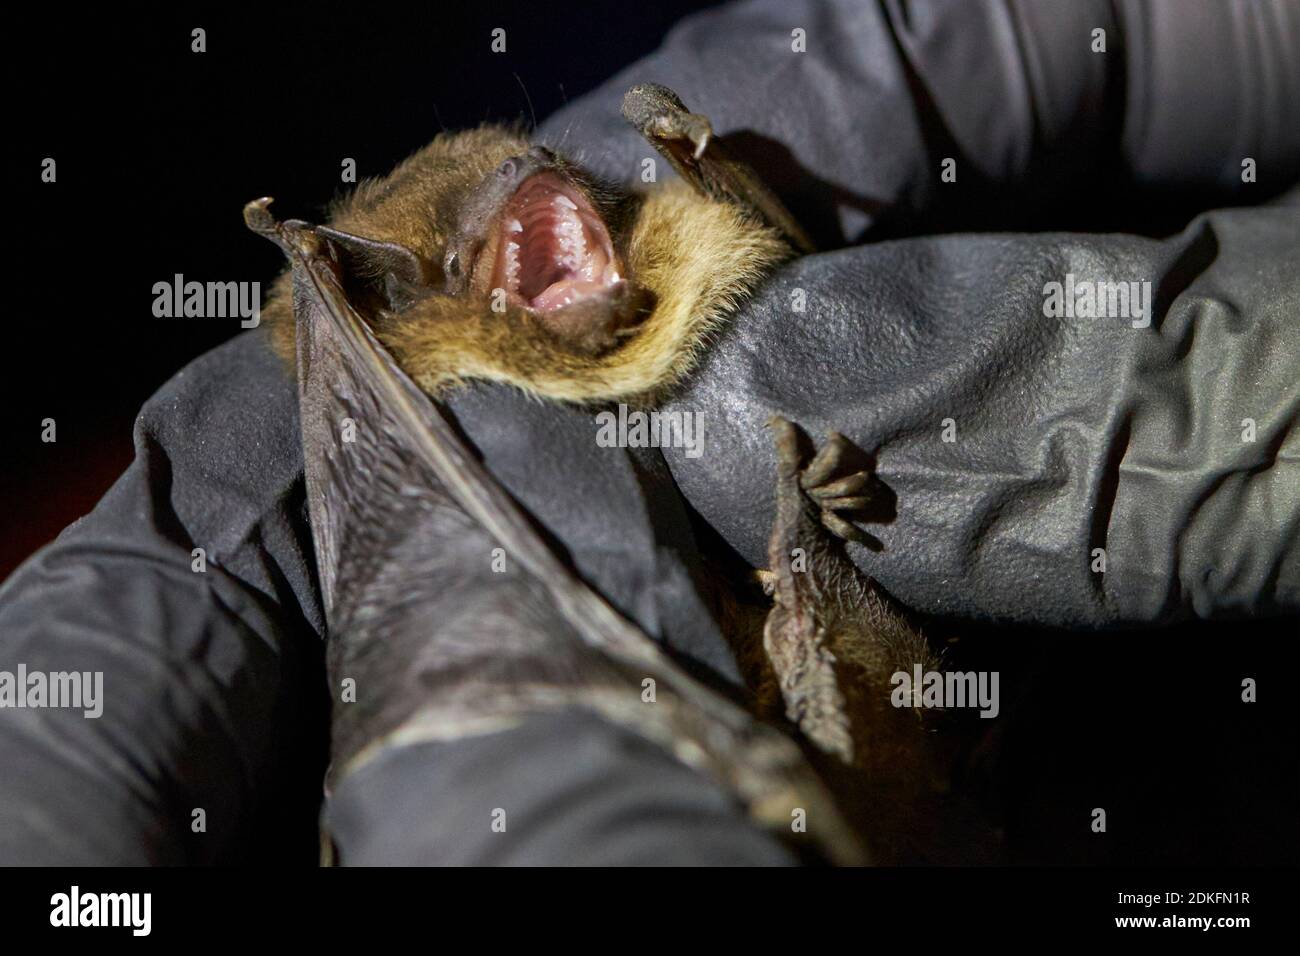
(567, 291)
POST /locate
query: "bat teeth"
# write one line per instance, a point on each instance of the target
(573, 243)
(512, 265)
(514, 225)
(563, 200)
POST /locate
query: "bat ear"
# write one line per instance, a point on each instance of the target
(387, 270)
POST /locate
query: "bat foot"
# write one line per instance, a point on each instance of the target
(807, 571)
(837, 480)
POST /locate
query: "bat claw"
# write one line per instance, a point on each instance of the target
(686, 140)
(293, 236)
(257, 216)
(660, 115)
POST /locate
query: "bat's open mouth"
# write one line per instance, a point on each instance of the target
(552, 247)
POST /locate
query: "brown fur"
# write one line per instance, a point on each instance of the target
(699, 257)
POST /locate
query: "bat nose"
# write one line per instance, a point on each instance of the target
(517, 167)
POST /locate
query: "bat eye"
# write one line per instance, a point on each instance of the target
(507, 169)
(452, 266)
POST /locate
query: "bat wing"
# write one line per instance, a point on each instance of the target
(448, 611)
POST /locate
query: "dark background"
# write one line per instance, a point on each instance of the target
(158, 148)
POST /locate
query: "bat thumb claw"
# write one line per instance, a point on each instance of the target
(294, 237)
(702, 143)
(257, 217)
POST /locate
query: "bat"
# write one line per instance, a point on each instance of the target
(486, 258)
